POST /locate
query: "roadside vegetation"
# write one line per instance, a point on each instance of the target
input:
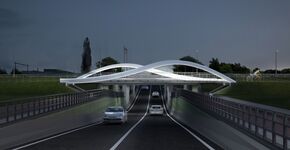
(23, 87)
(274, 93)
(88, 86)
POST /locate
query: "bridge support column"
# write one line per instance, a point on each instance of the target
(133, 90)
(105, 87)
(116, 88)
(165, 92)
(196, 87)
(185, 87)
(126, 91)
(168, 95)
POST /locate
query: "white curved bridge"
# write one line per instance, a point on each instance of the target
(126, 77)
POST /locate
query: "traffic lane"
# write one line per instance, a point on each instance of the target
(159, 132)
(156, 100)
(100, 136)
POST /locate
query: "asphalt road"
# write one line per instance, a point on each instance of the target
(141, 131)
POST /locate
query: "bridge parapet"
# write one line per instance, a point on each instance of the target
(58, 114)
(14, 111)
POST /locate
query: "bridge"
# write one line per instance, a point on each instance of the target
(192, 120)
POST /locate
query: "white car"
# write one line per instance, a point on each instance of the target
(156, 110)
(115, 114)
(155, 94)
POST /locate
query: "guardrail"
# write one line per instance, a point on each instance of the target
(270, 126)
(26, 108)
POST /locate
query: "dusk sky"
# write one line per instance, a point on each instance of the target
(50, 34)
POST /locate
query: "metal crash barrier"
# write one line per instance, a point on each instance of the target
(26, 108)
(266, 124)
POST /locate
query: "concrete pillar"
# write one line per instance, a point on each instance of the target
(185, 87)
(196, 87)
(126, 91)
(116, 88)
(105, 87)
(168, 94)
(133, 90)
(165, 94)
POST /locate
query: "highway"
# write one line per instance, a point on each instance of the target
(141, 131)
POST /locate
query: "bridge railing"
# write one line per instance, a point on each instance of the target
(11, 112)
(269, 125)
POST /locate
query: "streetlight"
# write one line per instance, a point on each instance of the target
(276, 59)
(196, 56)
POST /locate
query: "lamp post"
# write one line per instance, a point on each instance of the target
(276, 60)
(196, 56)
(125, 55)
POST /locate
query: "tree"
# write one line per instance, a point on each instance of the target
(186, 68)
(225, 68)
(228, 67)
(271, 71)
(287, 70)
(108, 61)
(2, 71)
(191, 59)
(214, 64)
(237, 68)
(86, 57)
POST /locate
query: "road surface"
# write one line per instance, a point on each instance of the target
(141, 132)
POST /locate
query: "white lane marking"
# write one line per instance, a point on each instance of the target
(68, 132)
(136, 97)
(131, 129)
(55, 136)
(195, 136)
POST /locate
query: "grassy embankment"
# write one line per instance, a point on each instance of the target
(274, 93)
(23, 87)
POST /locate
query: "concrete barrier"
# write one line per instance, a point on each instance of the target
(54, 123)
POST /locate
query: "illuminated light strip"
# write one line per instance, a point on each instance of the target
(148, 68)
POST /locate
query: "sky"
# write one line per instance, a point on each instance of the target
(50, 34)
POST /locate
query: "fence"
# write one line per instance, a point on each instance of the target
(26, 108)
(270, 126)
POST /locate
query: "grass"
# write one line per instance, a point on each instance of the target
(208, 87)
(88, 86)
(274, 93)
(23, 87)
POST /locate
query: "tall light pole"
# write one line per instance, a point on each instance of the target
(196, 56)
(125, 55)
(276, 60)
